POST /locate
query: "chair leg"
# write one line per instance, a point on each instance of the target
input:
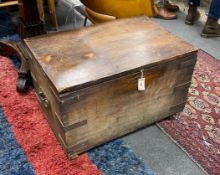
(85, 21)
(12, 48)
(51, 4)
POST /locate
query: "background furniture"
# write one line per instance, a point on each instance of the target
(104, 10)
(31, 23)
(32, 20)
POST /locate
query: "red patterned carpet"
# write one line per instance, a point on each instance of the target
(197, 129)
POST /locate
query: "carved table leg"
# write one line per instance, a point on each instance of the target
(12, 48)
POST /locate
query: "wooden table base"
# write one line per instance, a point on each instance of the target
(16, 48)
(31, 23)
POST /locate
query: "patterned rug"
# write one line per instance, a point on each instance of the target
(28, 146)
(197, 129)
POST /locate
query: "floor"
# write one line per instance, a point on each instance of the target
(192, 34)
(155, 148)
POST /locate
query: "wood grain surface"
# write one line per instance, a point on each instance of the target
(81, 58)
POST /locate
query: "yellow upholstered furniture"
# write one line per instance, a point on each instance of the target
(95, 17)
(104, 10)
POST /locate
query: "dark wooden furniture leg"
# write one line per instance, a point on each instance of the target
(31, 21)
(11, 48)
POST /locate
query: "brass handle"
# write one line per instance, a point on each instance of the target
(43, 98)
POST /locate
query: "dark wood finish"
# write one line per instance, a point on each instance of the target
(99, 49)
(31, 21)
(87, 80)
(31, 13)
(16, 48)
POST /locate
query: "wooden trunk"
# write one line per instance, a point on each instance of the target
(87, 80)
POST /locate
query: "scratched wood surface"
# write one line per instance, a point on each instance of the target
(87, 109)
(81, 58)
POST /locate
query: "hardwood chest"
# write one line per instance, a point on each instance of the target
(101, 82)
